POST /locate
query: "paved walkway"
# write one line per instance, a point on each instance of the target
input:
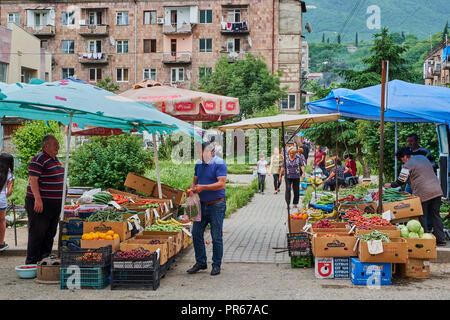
(251, 233)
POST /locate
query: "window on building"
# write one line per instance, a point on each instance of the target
(47, 77)
(68, 18)
(234, 45)
(44, 44)
(122, 18)
(95, 17)
(122, 75)
(289, 103)
(95, 74)
(205, 45)
(146, 45)
(25, 76)
(150, 17)
(149, 74)
(205, 16)
(234, 15)
(40, 18)
(14, 17)
(122, 46)
(95, 46)
(204, 72)
(153, 45)
(3, 71)
(68, 46)
(67, 72)
(177, 75)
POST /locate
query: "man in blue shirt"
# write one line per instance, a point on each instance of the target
(209, 182)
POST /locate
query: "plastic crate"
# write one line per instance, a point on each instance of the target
(85, 215)
(74, 257)
(361, 276)
(72, 226)
(95, 278)
(302, 262)
(72, 242)
(299, 244)
(341, 268)
(147, 278)
(145, 263)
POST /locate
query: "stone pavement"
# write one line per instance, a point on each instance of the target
(251, 233)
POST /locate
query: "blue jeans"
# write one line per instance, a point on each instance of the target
(324, 170)
(214, 215)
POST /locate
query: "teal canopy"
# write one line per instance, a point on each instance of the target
(89, 105)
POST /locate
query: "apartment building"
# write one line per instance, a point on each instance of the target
(21, 56)
(436, 68)
(173, 42)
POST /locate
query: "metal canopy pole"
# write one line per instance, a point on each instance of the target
(337, 155)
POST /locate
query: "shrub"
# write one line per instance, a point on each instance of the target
(27, 140)
(104, 162)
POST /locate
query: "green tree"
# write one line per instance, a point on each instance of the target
(104, 162)
(27, 140)
(247, 79)
(339, 39)
(108, 84)
(356, 39)
(323, 37)
(445, 32)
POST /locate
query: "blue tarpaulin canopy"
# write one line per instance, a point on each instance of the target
(406, 102)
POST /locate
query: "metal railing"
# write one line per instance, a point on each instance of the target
(177, 57)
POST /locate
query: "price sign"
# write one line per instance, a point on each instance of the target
(156, 213)
(187, 232)
(115, 204)
(171, 204)
(165, 205)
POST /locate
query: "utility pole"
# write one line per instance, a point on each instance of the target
(384, 66)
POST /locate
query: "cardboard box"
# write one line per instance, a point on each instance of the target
(133, 244)
(341, 268)
(415, 268)
(171, 244)
(422, 248)
(176, 195)
(330, 230)
(146, 218)
(391, 231)
(297, 225)
(341, 246)
(121, 228)
(139, 183)
(177, 237)
(323, 268)
(370, 273)
(411, 207)
(127, 194)
(395, 251)
(94, 244)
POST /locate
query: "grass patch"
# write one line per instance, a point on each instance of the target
(235, 168)
(19, 191)
(239, 196)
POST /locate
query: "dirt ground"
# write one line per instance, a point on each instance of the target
(237, 281)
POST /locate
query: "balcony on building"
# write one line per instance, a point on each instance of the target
(235, 49)
(234, 19)
(177, 58)
(41, 21)
(93, 58)
(180, 20)
(93, 22)
(429, 69)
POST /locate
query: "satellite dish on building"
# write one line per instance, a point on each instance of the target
(308, 27)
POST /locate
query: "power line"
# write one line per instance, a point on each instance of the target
(350, 17)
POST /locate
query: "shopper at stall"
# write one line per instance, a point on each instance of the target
(261, 169)
(274, 168)
(306, 150)
(300, 152)
(319, 160)
(336, 173)
(350, 166)
(209, 182)
(7, 181)
(43, 200)
(413, 143)
(418, 172)
(295, 169)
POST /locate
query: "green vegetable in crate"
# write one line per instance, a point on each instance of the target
(375, 235)
(109, 215)
(102, 198)
(165, 228)
(413, 226)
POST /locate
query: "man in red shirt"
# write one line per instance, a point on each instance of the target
(319, 160)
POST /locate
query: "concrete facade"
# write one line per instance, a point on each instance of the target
(22, 56)
(180, 28)
(436, 72)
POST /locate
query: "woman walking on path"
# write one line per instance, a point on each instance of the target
(7, 183)
(295, 170)
(262, 171)
(274, 169)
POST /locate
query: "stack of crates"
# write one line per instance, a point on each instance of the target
(299, 247)
(85, 268)
(72, 230)
(135, 273)
(370, 273)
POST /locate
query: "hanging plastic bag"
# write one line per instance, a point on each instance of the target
(193, 207)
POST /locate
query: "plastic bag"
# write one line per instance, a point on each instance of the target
(193, 207)
(87, 196)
